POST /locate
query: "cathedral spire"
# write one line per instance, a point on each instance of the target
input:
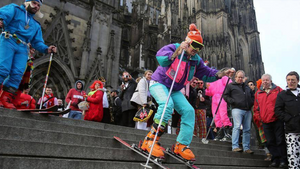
(163, 8)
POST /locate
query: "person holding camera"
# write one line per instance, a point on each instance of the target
(75, 95)
(128, 110)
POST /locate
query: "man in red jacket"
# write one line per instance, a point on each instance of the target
(75, 95)
(264, 110)
(25, 101)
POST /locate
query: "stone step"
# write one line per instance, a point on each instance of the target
(11, 162)
(44, 136)
(133, 136)
(71, 122)
(26, 136)
(89, 124)
(77, 129)
(39, 149)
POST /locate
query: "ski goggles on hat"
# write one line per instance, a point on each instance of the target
(196, 45)
(40, 1)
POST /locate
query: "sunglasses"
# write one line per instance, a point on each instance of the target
(200, 83)
(196, 45)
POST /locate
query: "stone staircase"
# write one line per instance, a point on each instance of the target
(33, 141)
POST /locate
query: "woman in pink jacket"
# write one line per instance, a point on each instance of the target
(215, 90)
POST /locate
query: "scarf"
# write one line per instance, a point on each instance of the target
(49, 101)
(94, 91)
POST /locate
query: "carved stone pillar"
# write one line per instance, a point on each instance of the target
(110, 57)
(85, 53)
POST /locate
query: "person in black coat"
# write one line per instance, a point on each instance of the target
(128, 110)
(116, 107)
(287, 108)
(241, 98)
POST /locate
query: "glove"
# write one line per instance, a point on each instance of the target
(75, 104)
(1, 23)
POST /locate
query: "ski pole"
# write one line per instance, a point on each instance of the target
(46, 80)
(204, 140)
(164, 110)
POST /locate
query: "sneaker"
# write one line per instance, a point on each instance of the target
(220, 135)
(249, 151)
(237, 150)
(274, 164)
(227, 137)
(269, 157)
(283, 165)
(184, 151)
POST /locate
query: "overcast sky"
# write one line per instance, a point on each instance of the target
(279, 26)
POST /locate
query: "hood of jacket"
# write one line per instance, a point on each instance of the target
(79, 81)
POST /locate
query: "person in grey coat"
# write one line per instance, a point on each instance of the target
(127, 89)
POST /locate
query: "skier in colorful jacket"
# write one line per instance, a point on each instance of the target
(192, 65)
(18, 29)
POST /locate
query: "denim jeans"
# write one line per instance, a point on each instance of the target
(241, 117)
(75, 114)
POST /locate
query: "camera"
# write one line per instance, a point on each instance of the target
(126, 76)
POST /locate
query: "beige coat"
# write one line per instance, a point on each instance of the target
(140, 94)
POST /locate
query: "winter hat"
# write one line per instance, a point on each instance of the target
(194, 34)
(40, 1)
(258, 83)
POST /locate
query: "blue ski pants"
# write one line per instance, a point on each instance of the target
(178, 102)
(13, 60)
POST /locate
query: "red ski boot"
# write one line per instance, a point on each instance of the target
(17, 98)
(7, 97)
(157, 149)
(184, 151)
(1, 105)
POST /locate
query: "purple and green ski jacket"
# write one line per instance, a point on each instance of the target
(194, 66)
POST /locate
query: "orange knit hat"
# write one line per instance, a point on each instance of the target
(258, 83)
(194, 34)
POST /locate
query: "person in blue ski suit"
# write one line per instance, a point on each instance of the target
(18, 29)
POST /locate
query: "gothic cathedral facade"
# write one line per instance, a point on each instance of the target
(103, 38)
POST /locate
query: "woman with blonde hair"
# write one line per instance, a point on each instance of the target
(141, 97)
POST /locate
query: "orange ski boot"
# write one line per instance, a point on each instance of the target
(184, 151)
(148, 141)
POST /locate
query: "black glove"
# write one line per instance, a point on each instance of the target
(75, 104)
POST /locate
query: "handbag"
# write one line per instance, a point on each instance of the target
(143, 114)
(84, 105)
